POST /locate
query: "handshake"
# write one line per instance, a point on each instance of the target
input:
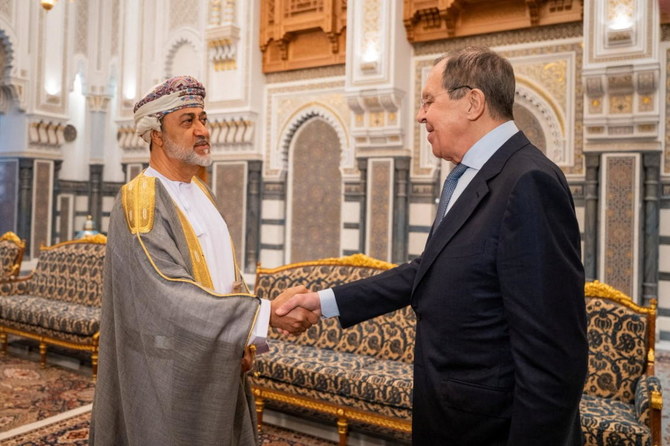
(295, 310)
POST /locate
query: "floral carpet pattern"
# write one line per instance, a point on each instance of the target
(31, 394)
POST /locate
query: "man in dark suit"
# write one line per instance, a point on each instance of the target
(501, 350)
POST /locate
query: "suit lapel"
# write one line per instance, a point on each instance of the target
(467, 203)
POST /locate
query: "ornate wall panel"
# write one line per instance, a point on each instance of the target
(380, 202)
(41, 210)
(620, 183)
(288, 106)
(230, 180)
(81, 29)
(9, 193)
(184, 13)
(6, 8)
(427, 20)
(301, 34)
(315, 193)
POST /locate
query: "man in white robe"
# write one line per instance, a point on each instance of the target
(179, 326)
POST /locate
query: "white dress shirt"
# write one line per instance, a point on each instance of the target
(212, 232)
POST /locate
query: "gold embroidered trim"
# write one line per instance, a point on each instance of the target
(200, 269)
(138, 198)
(12, 237)
(358, 260)
(204, 188)
(174, 279)
(98, 239)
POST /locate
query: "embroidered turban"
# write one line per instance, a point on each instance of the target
(174, 94)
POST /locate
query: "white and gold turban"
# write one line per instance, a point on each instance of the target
(175, 93)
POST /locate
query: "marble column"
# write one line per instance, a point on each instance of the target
(253, 229)
(400, 210)
(652, 199)
(591, 216)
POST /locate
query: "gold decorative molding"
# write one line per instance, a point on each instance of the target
(357, 260)
(222, 44)
(305, 34)
(97, 102)
(427, 20)
(12, 237)
(46, 133)
(98, 239)
(343, 413)
(599, 289)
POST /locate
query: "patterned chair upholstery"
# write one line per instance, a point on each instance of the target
(11, 254)
(59, 302)
(622, 398)
(360, 376)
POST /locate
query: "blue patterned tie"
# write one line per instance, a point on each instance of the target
(447, 190)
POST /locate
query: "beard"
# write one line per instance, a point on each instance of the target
(186, 154)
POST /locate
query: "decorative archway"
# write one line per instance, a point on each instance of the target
(314, 192)
(549, 117)
(279, 157)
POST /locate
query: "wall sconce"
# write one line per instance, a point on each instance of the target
(370, 58)
(48, 4)
(620, 26)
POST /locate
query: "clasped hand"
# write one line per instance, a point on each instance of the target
(289, 316)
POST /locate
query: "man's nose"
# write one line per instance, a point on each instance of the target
(201, 129)
(420, 115)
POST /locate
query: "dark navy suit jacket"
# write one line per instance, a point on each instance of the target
(501, 350)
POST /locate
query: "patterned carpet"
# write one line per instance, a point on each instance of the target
(51, 406)
(31, 395)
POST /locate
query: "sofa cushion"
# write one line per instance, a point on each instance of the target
(51, 314)
(611, 422)
(69, 272)
(617, 349)
(351, 375)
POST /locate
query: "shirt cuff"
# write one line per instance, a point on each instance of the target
(329, 306)
(259, 333)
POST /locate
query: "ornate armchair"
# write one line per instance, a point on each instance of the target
(622, 398)
(11, 254)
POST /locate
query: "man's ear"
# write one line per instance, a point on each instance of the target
(476, 104)
(156, 138)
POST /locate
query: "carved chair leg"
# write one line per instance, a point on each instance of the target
(94, 364)
(43, 355)
(342, 429)
(260, 406)
(3, 343)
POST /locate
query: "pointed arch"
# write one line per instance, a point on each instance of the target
(280, 157)
(550, 117)
(314, 192)
(8, 91)
(181, 39)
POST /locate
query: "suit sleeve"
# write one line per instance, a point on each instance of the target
(364, 299)
(542, 284)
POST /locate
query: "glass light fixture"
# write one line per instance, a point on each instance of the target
(48, 4)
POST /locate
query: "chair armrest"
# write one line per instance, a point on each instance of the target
(648, 405)
(15, 285)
